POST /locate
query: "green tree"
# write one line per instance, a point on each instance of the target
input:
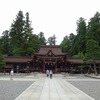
(71, 39)
(92, 49)
(2, 63)
(34, 43)
(94, 28)
(28, 30)
(42, 38)
(79, 55)
(16, 34)
(65, 44)
(52, 40)
(71, 44)
(81, 30)
(92, 52)
(80, 41)
(5, 43)
(1, 44)
(26, 48)
(93, 40)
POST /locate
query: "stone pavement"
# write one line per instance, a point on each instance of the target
(52, 89)
(93, 76)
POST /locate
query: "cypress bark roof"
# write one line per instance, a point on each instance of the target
(13, 59)
(55, 49)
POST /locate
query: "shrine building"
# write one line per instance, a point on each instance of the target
(48, 57)
(51, 58)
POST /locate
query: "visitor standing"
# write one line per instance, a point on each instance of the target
(11, 74)
(47, 72)
(51, 73)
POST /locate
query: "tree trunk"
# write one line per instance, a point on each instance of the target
(88, 72)
(95, 70)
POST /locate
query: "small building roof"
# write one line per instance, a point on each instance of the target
(80, 61)
(13, 59)
(75, 61)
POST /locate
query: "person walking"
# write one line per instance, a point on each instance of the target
(47, 72)
(51, 73)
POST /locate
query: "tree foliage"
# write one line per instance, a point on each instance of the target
(52, 40)
(65, 44)
(93, 37)
(79, 55)
(2, 63)
(5, 43)
(42, 40)
(79, 44)
(20, 40)
(92, 50)
(93, 31)
(16, 34)
(27, 34)
(75, 44)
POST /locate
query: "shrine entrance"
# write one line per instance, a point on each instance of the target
(50, 65)
(51, 58)
(56, 64)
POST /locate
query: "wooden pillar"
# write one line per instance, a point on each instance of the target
(56, 69)
(44, 66)
(33, 65)
(56, 66)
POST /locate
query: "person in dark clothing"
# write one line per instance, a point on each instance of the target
(47, 72)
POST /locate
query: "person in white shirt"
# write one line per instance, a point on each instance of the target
(11, 74)
(51, 73)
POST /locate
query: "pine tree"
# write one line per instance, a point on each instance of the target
(16, 34)
(52, 40)
(26, 47)
(81, 35)
(42, 38)
(5, 43)
(92, 52)
(94, 28)
(65, 44)
(2, 63)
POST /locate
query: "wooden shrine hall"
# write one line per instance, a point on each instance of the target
(49, 57)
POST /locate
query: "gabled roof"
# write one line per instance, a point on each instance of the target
(56, 50)
(50, 53)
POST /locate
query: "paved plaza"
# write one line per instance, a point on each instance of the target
(39, 87)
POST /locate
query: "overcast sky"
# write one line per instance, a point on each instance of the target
(49, 16)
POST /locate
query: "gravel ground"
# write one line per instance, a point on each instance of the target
(92, 88)
(9, 90)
